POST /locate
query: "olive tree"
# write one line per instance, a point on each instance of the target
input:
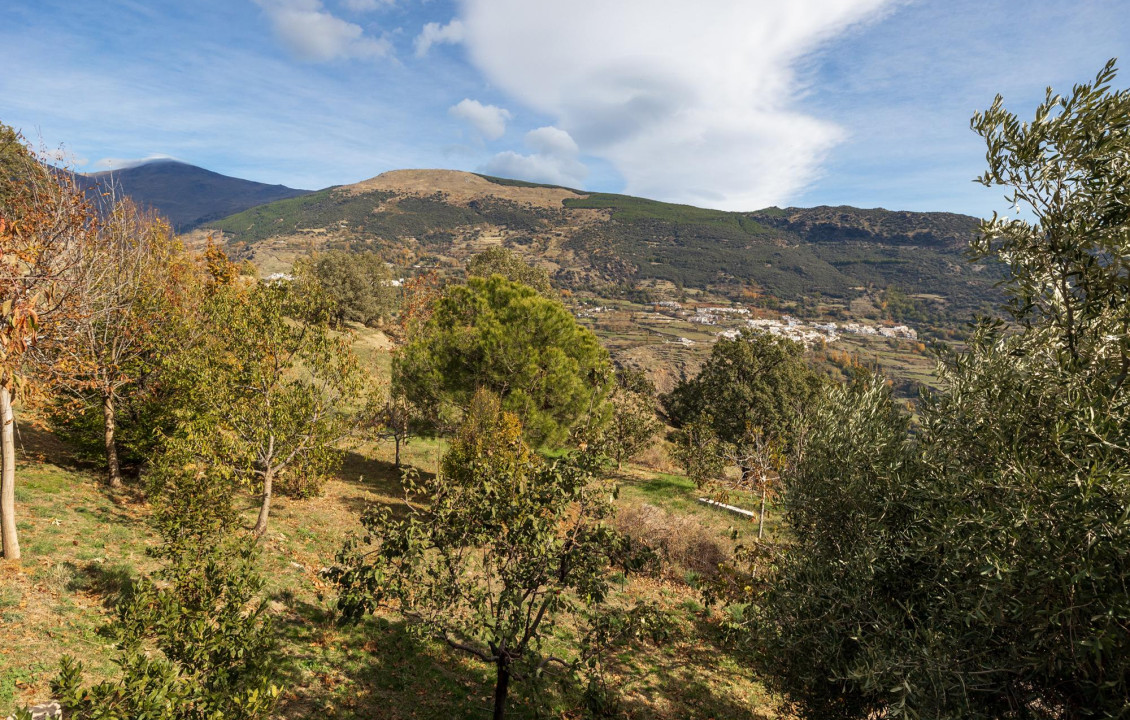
(349, 286)
(977, 567)
(505, 262)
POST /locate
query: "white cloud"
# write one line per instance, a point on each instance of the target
(109, 163)
(488, 120)
(554, 160)
(435, 34)
(367, 5)
(61, 156)
(691, 102)
(312, 33)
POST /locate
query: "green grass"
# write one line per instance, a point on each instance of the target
(627, 208)
(83, 544)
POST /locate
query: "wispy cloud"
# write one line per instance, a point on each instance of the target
(126, 163)
(693, 102)
(367, 5)
(554, 160)
(313, 34)
(488, 120)
(436, 34)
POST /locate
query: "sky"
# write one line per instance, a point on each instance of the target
(731, 104)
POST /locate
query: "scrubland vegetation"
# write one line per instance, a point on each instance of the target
(333, 495)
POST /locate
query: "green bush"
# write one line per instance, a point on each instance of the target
(193, 640)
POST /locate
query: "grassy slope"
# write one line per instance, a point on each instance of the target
(81, 544)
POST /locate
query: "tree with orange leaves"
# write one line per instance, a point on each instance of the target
(45, 222)
(125, 279)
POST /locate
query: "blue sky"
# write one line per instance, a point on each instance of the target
(724, 103)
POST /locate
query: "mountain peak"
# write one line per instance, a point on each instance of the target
(462, 187)
(186, 194)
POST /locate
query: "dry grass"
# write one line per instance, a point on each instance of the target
(683, 542)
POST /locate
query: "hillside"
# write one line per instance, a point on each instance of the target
(603, 242)
(188, 195)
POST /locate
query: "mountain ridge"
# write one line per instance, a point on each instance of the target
(187, 195)
(597, 241)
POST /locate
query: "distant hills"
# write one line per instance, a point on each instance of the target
(605, 243)
(601, 241)
(188, 195)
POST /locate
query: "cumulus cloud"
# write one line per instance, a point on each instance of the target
(690, 102)
(312, 33)
(488, 120)
(554, 160)
(436, 34)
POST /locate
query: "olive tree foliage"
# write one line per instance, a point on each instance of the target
(743, 409)
(194, 640)
(977, 568)
(504, 337)
(348, 286)
(492, 550)
(505, 262)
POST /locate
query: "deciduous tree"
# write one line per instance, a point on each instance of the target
(279, 392)
(123, 304)
(45, 222)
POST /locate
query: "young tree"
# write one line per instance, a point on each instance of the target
(502, 336)
(505, 262)
(493, 549)
(45, 223)
(277, 391)
(632, 422)
(391, 417)
(744, 408)
(126, 275)
(194, 639)
(977, 569)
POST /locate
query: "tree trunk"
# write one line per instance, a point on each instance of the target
(761, 520)
(114, 469)
(396, 439)
(501, 687)
(265, 509)
(11, 544)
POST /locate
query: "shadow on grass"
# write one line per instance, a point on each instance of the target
(105, 580)
(379, 669)
(689, 678)
(378, 477)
